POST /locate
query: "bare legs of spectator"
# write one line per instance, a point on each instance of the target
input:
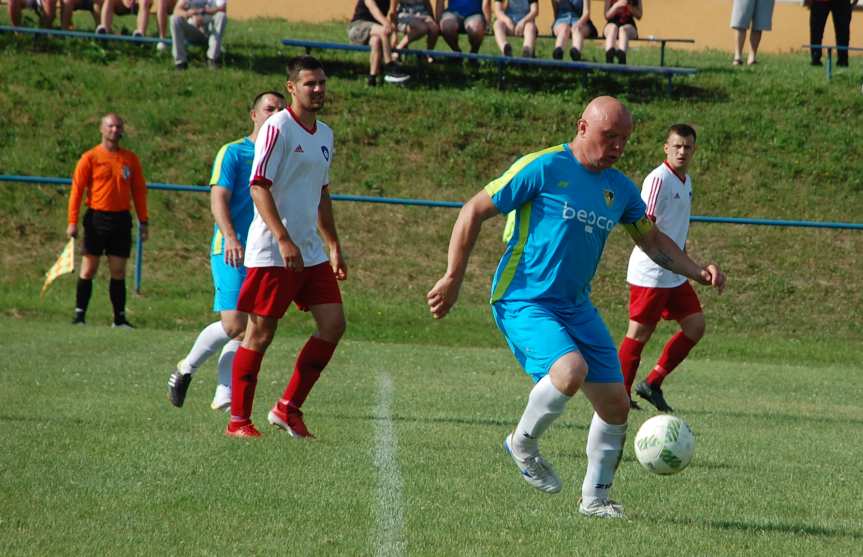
(449, 30)
(502, 29)
(67, 10)
(475, 33)
(754, 41)
(46, 15)
(110, 7)
(379, 43)
(418, 27)
(611, 31)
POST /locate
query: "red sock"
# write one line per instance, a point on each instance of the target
(244, 379)
(311, 361)
(674, 352)
(630, 357)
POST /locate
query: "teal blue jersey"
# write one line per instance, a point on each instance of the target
(559, 217)
(232, 170)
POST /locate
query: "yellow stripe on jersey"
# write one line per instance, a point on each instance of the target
(217, 164)
(499, 183)
(217, 242)
(639, 229)
(523, 215)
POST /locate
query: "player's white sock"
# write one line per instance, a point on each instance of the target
(544, 405)
(211, 339)
(604, 449)
(226, 362)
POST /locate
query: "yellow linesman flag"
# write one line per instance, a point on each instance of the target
(64, 264)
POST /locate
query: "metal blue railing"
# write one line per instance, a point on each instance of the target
(139, 246)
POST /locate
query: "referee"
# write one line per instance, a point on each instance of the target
(112, 178)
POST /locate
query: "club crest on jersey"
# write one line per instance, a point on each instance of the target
(609, 197)
(126, 172)
(299, 149)
(326, 152)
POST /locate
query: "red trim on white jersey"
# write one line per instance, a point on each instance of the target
(260, 176)
(655, 186)
(671, 168)
(310, 131)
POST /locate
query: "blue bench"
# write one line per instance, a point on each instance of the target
(649, 39)
(830, 47)
(502, 61)
(81, 35)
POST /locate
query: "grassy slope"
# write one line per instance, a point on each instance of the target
(777, 141)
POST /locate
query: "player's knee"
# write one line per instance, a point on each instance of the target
(333, 330)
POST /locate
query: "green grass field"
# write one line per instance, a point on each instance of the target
(412, 412)
(95, 461)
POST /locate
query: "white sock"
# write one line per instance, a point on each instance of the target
(544, 405)
(211, 339)
(226, 362)
(604, 449)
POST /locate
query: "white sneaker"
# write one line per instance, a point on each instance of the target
(601, 508)
(534, 469)
(222, 398)
(161, 47)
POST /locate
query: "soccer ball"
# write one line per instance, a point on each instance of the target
(664, 444)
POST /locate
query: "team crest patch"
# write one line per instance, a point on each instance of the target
(126, 172)
(299, 149)
(326, 152)
(609, 197)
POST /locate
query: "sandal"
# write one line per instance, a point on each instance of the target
(737, 62)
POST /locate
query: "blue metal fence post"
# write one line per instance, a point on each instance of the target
(139, 259)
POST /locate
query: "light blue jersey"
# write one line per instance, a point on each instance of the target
(232, 170)
(559, 217)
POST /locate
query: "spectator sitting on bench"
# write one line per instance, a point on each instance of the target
(620, 29)
(571, 17)
(69, 7)
(372, 24)
(818, 12)
(45, 10)
(518, 18)
(414, 19)
(198, 21)
(141, 8)
(464, 16)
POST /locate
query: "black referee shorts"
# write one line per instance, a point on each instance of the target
(108, 233)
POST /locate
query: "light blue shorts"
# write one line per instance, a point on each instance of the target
(539, 335)
(227, 281)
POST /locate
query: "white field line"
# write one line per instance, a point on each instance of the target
(389, 513)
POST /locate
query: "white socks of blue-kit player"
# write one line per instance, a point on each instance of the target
(226, 362)
(209, 341)
(604, 449)
(544, 405)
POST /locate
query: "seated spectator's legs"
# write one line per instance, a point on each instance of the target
(611, 31)
(144, 7)
(14, 7)
(561, 33)
(49, 12)
(216, 31)
(474, 26)
(529, 39)
(450, 23)
(624, 35)
(68, 7)
(415, 27)
(182, 31)
(163, 10)
(502, 29)
(111, 7)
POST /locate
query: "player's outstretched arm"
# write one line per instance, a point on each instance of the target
(327, 226)
(664, 252)
(464, 234)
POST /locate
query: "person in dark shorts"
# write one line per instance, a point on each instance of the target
(112, 178)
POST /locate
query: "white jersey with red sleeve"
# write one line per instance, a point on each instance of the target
(669, 204)
(294, 162)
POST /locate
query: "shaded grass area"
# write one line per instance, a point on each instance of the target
(776, 141)
(95, 460)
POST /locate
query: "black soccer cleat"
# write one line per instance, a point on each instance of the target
(79, 319)
(654, 396)
(178, 385)
(634, 405)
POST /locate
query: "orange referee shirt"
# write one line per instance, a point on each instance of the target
(112, 179)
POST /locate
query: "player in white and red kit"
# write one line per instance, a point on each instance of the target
(654, 292)
(285, 256)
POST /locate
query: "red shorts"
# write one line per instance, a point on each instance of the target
(647, 305)
(269, 291)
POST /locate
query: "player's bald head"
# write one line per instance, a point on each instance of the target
(111, 118)
(607, 110)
